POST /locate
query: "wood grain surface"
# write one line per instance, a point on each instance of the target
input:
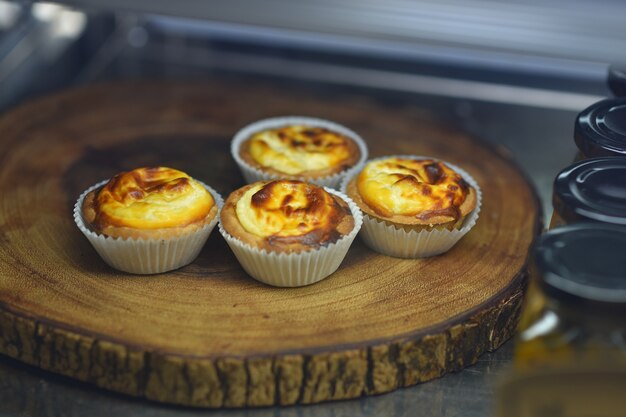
(207, 334)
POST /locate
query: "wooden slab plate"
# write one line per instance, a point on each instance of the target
(207, 334)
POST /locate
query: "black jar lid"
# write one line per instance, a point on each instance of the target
(584, 262)
(592, 190)
(601, 129)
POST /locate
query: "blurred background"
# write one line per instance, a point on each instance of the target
(420, 46)
(515, 73)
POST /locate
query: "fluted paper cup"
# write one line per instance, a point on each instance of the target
(392, 240)
(295, 269)
(147, 256)
(253, 174)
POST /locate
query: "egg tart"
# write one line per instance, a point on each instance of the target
(148, 220)
(289, 232)
(413, 206)
(301, 148)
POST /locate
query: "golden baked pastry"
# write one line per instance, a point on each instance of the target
(286, 216)
(300, 151)
(413, 193)
(149, 203)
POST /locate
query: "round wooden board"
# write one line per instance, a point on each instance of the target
(207, 334)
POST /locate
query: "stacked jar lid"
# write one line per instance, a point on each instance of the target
(575, 310)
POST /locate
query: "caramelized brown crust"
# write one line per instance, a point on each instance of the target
(323, 219)
(149, 203)
(343, 152)
(458, 203)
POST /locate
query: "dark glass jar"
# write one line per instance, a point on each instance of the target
(575, 308)
(600, 129)
(591, 190)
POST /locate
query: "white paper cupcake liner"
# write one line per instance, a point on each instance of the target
(295, 269)
(252, 174)
(395, 241)
(146, 256)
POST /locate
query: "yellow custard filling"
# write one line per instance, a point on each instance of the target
(152, 198)
(407, 187)
(297, 149)
(286, 208)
